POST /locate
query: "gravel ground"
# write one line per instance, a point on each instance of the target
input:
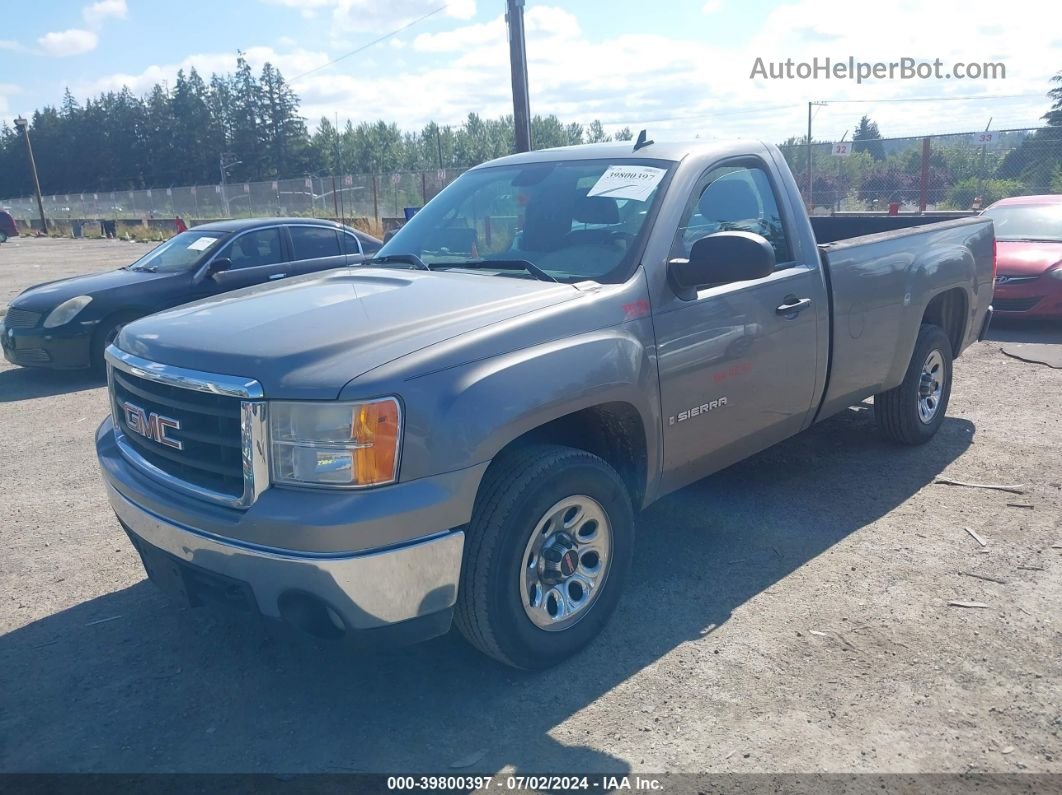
(789, 615)
(26, 261)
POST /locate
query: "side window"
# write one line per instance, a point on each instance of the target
(311, 242)
(350, 243)
(734, 198)
(255, 249)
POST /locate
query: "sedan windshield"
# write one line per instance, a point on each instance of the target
(1027, 222)
(180, 253)
(569, 221)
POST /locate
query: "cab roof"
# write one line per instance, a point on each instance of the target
(624, 150)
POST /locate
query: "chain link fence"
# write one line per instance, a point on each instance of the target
(955, 172)
(346, 196)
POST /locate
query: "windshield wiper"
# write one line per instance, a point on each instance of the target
(405, 259)
(501, 265)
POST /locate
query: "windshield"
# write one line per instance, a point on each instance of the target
(180, 253)
(573, 220)
(1027, 222)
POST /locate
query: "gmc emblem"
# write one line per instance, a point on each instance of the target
(151, 426)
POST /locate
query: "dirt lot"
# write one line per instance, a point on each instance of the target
(789, 614)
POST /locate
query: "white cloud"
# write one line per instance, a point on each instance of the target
(378, 16)
(545, 22)
(674, 84)
(68, 42)
(712, 6)
(290, 63)
(7, 90)
(96, 13)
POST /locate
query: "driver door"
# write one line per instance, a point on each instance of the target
(737, 373)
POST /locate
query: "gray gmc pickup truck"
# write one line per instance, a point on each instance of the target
(464, 427)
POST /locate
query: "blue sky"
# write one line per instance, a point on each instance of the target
(681, 68)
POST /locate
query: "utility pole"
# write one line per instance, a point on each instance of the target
(23, 125)
(811, 203)
(514, 15)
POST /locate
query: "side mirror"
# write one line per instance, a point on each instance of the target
(722, 258)
(219, 265)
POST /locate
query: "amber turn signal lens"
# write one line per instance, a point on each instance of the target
(376, 430)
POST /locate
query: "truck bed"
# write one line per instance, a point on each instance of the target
(883, 285)
(845, 226)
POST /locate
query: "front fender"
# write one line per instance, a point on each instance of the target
(465, 415)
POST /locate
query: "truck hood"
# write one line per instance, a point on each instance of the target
(1021, 258)
(306, 338)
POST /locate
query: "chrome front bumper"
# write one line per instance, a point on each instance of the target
(366, 591)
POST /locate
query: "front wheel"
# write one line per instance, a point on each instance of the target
(913, 412)
(547, 554)
(106, 334)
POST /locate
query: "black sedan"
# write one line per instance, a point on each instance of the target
(67, 324)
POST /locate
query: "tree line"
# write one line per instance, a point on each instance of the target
(960, 173)
(178, 135)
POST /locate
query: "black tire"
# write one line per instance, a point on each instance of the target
(3, 237)
(105, 334)
(517, 491)
(897, 410)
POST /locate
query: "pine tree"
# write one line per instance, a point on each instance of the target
(866, 138)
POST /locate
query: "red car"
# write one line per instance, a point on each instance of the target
(1028, 256)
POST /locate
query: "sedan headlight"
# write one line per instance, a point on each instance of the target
(66, 311)
(335, 444)
(1056, 271)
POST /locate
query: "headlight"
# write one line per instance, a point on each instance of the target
(66, 311)
(1056, 272)
(335, 444)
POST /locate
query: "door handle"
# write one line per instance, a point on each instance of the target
(793, 305)
(276, 276)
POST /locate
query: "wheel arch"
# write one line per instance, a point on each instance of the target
(613, 431)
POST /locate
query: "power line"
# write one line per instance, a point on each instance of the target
(372, 43)
(935, 99)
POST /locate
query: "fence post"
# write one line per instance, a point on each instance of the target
(375, 201)
(924, 194)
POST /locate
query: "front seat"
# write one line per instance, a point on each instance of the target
(729, 200)
(729, 203)
(248, 255)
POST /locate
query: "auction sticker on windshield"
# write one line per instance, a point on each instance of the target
(628, 182)
(202, 244)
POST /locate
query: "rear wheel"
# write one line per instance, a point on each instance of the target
(3, 237)
(546, 555)
(913, 412)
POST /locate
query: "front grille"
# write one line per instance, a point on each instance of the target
(21, 318)
(1005, 279)
(31, 356)
(1014, 304)
(210, 432)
